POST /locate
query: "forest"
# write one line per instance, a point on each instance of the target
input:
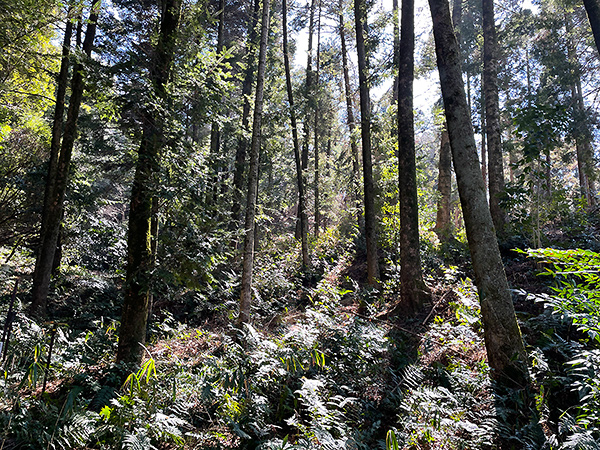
(288, 224)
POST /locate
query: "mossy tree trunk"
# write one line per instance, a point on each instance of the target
(504, 344)
(492, 115)
(140, 261)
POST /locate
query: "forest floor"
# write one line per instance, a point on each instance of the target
(323, 365)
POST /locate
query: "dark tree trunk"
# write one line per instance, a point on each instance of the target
(55, 204)
(504, 345)
(57, 124)
(413, 288)
(492, 115)
(242, 146)
(396, 18)
(442, 223)
(246, 294)
(299, 178)
(592, 8)
(317, 128)
(581, 130)
(360, 18)
(309, 98)
(132, 334)
(484, 165)
(351, 123)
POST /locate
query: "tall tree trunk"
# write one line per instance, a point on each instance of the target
(504, 345)
(360, 19)
(57, 124)
(444, 188)
(592, 7)
(299, 178)
(309, 97)
(351, 122)
(413, 288)
(317, 128)
(492, 115)
(242, 146)
(55, 204)
(215, 128)
(396, 62)
(132, 334)
(484, 165)
(583, 138)
(246, 294)
(443, 226)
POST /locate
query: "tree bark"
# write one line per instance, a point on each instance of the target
(444, 188)
(351, 122)
(296, 142)
(57, 124)
(55, 204)
(309, 96)
(504, 345)
(581, 130)
(492, 115)
(413, 288)
(317, 136)
(360, 15)
(592, 7)
(242, 146)
(132, 334)
(215, 128)
(246, 294)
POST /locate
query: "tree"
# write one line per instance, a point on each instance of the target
(412, 285)
(248, 251)
(242, 145)
(444, 187)
(350, 118)
(58, 177)
(134, 316)
(592, 8)
(360, 20)
(296, 143)
(492, 114)
(504, 345)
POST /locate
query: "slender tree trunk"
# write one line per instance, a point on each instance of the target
(442, 223)
(215, 129)
(351, 122)
(592, 8)
(309, 98)
(413, 288)
(317, 130)
(246, 294)
(57, 124)
(583, 138)
(55, 203)
(492, 115)
(296, 141)
(242, 146)
(483, 137)
(505, 349)
(132, 334)
(360, 18)
(396, 62)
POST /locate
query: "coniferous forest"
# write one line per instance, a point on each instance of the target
(289, 224)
